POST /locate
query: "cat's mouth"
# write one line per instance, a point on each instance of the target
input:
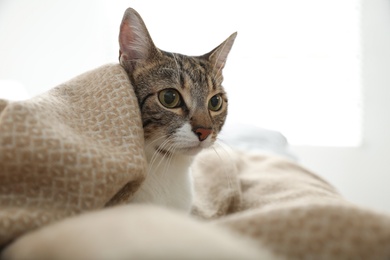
(189, 151)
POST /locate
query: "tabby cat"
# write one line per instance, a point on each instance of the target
(183, 108)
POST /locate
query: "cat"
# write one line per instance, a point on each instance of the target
(183, 108)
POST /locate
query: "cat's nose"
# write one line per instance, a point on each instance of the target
(202, 133)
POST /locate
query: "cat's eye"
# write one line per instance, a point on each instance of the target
(169, 98)
(215, 103)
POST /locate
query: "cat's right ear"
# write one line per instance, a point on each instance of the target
(218, 56)
(135, 43)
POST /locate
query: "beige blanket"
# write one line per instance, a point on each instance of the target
(73, 149)
(78, 148)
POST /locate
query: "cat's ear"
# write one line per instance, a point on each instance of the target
(135, 43)
(218, 56)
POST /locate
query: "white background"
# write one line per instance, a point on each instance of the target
(362, 174)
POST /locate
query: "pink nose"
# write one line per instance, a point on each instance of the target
(202, 133)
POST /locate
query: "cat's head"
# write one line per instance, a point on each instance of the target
(182, 101)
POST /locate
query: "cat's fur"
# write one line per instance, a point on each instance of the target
(173, 136)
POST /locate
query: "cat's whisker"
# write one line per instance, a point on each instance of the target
(157, 152)
(225, 147)
(170, 158)
(147, 146)
(228, 177)
(153, 158)
(165, 149)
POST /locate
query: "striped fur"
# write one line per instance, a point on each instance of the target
(172, 135)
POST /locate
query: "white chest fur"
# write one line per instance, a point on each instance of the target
(168, 181)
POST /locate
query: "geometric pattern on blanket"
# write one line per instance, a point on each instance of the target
(285, 208)
(75, 148)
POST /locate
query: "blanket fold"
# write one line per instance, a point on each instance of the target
(75, 148)
(285, 208)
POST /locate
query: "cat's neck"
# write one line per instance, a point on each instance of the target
(168, 181)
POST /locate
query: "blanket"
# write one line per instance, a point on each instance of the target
(70, 159)
(286, 208)
(75, 148)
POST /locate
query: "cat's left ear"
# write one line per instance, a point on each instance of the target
(218, 56)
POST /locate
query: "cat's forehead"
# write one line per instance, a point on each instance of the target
(189, 71)
(185, 64)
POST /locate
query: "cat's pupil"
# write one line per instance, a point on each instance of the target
(214, 101)
(170, 97)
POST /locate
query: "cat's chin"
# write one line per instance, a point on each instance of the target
(192, 151)
(188, 152)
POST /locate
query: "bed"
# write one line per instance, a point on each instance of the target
(71, 159)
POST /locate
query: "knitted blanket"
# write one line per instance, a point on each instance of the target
(70, 157)
(285, 208)
(75, 148)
